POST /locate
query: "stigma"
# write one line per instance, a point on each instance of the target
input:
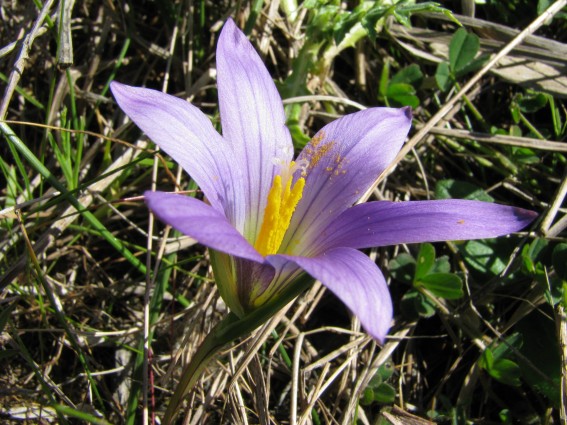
(282, 200)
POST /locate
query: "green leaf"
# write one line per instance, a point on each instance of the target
(505, 416)
(404, 9)
(385, 394)
(402, 94)
(507, 347)
(372, 21)
(532, 253)
(462, 50)
(532, 102)
(473, 65)
(441, 265)
(456, 189)
(482, 255)
(486, 360)
(410, 75)
(542, 6)
(503, 370)
(515, 112)
(385, 371)
(415, 305)
(443, 285)
(376, 380)
(402, 268)
(367, 397)
(443, 76)
(506, 371)
(384, 76)
(425, 260)
(84, 417)
(300, 139)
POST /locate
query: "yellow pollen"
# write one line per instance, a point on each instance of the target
(277, 215)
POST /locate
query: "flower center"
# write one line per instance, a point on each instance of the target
(282, 201)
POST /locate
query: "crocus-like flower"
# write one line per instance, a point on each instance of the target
(268, 219)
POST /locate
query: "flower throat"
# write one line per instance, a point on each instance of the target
(279, 210)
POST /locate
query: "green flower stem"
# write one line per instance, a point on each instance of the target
(227, 330)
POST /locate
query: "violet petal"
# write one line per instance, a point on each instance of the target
(345, 158)
(389, 223)
(355, 280)
(253, 121)
(194, 218)
(187, 135)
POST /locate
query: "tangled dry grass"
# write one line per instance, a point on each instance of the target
(101, 306)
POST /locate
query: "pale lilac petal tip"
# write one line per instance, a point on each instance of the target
(187, 135)
(194, 218)
(357, 282)
(390, 223)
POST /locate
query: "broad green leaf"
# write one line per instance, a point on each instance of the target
(462, 50)
(386, 371)
(524, 156)
(443, 76)
(503, 370)
(425, 261)
(507, 347)
(402, 94)
(300, 139)
(441, 265)
(456, 189)
(443, 285)
(486, 359)
(542, 5)
(473, 65)
(410, 75)
(482, 255)
(532, 253)
(515, 112)
(367, 397)
(415, 305)
(385, 393)
(506, 371)
(402, 268)
(376, 380)
(532, 102)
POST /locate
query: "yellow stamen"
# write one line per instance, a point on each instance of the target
(277, 215)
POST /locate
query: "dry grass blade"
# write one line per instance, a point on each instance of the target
(88, 336)
(20, 63)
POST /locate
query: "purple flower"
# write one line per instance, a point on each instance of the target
(268, 219)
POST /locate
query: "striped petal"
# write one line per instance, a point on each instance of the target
(344, 159)
(390, 223)
(187, 135)
(253, 121)
(357, 282)
(202, 222)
